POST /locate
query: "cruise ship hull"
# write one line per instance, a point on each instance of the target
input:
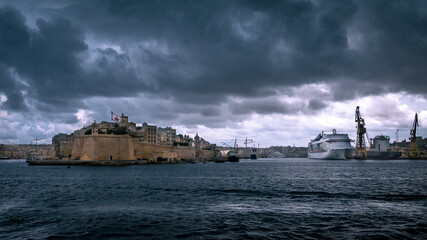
(330, 146)
(334, 154)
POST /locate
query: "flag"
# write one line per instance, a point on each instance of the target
(115, 117)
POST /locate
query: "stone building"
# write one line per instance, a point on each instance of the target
(124, 140)
(149, 133)
(166, 136)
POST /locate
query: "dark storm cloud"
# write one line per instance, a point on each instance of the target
(48, 65)
(13, 37)
(236, 47)
(203, 52)
(393, 45)
(247, 47)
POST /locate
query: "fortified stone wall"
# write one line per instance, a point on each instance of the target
(124, 147)
(147, 150)
(65, 149)
(152, 151)
(208, 155)
(103, 147)
(82, 148)
(185, 152)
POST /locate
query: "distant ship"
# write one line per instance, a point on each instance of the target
(233, 156)
(330, 146)
(253, 154)
(276, 155)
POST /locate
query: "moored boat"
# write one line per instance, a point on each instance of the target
(253, 154)
(233, 156)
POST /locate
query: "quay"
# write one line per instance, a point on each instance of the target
(85, 162)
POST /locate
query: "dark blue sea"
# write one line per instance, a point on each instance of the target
(252, 199)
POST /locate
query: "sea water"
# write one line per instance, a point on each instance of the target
(251, 199)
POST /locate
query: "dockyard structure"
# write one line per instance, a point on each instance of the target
(405, 146)
(381, 143)
(123, 140)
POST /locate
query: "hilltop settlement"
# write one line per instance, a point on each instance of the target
(121, 141)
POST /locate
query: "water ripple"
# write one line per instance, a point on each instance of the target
(289, 199)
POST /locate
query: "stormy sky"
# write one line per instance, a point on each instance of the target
(277, 72)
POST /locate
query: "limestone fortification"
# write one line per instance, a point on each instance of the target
(124, 141)
(103, 147)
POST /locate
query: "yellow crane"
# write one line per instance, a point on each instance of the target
(413, 151)
(361, 132)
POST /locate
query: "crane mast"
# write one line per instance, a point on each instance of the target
(397, 135)
(248, 141)
(413, 151)
(413, 131)
(361, 131)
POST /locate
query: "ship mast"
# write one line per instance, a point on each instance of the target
(361, 130)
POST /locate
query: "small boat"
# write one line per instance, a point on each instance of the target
(233, 154)
(220, 160)
(253, 154)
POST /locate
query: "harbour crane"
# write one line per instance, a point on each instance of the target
(413, 151)
(248, 141)
(227, 145)
(361, 132)
(37, 139)
(245, 141)
(397, 135)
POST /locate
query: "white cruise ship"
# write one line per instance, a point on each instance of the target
(330, 146)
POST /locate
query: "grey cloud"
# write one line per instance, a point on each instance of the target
(15, 102)
(263, 106)
(211, 111)
(316, 104)
(48, 60)
(13, 37)
(205, 53)
(205, 37)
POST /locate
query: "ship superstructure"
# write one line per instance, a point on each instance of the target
(330, 146)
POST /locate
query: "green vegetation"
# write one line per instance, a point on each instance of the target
(118, 131)
(180, 144)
